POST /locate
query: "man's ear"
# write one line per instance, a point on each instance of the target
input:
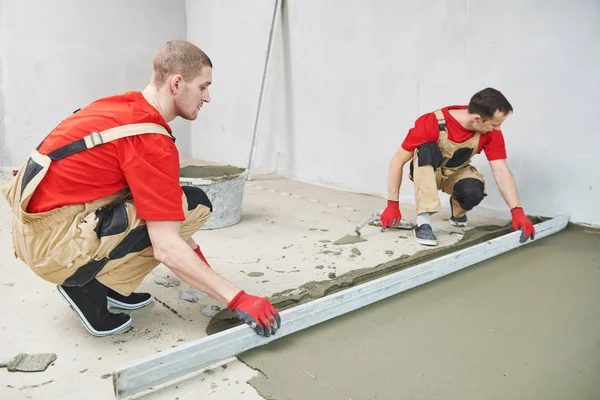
(477, 119)
(175, 83)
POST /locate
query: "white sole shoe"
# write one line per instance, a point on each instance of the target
(458, 224)
(426, 242)
(85, 322)
(118, 304)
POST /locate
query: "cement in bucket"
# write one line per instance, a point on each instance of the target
(224, 186)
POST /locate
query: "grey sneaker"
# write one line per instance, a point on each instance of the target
(424, 235)
(460, 222)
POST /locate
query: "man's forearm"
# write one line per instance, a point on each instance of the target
(395, 172)
(182, 260)
(394, 180)
(507, 186)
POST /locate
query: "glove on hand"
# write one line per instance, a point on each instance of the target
(257, 312)
(391, 216)
(520, 221)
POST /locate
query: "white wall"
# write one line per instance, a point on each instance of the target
(234, 34)
(356, 74)
(348, 78)
(56, 56)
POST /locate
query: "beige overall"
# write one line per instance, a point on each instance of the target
(63, 245)
(428, 182)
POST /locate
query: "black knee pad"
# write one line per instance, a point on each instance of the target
(429, 154)
(196, 196)
(459, 157)
(468, 192)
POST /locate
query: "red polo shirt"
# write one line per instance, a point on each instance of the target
(426, 130)
(147, 164)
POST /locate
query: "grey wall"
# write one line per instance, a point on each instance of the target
(356, 74)
(59, 55)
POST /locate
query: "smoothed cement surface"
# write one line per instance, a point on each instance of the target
(522, 325)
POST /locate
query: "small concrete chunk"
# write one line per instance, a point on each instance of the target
(167, 281)
(210, 311)
(31, 362)
(191, 296)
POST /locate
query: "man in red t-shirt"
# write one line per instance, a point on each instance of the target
(440, 147)
(98, 204)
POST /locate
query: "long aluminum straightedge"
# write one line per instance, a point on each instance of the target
(177, 362)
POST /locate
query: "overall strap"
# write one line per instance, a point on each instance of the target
(98, 138)
(441, 121)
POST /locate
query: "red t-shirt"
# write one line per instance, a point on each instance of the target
(148, 164)
(426, 130)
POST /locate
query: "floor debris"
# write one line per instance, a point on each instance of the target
(29, 362)
(349, 239)
(457, 235)
(167, 281)
(192, 296)
(210, 311)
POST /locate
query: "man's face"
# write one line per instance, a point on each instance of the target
(493, 124)
(190, 96)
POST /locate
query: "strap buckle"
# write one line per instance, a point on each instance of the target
(100, 140)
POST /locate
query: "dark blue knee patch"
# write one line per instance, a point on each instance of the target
(196, 196)
(468, 192)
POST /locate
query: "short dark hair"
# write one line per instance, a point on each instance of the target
(487, 101)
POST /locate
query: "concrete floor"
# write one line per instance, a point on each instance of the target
(522, 325)
(279, 236)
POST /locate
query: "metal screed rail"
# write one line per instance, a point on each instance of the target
(174, 364)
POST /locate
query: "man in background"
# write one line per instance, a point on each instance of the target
(439, 148)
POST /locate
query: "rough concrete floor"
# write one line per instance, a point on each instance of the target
(281, 240)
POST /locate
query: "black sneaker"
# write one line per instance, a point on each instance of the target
(460, 222)
(424, 235)
(90, 304)
(131, 302)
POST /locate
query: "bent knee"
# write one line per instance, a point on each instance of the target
(469, 192)
(429, 154)
(196, 196)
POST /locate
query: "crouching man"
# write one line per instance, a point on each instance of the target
(440, 148)
(98, 205)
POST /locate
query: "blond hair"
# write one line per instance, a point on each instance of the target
(178, 57)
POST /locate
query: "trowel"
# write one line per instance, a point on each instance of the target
(28, 362)
(372, 219)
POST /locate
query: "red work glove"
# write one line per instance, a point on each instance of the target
(197, 251)
(257, 312)
(520, 221)
(391, 216)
